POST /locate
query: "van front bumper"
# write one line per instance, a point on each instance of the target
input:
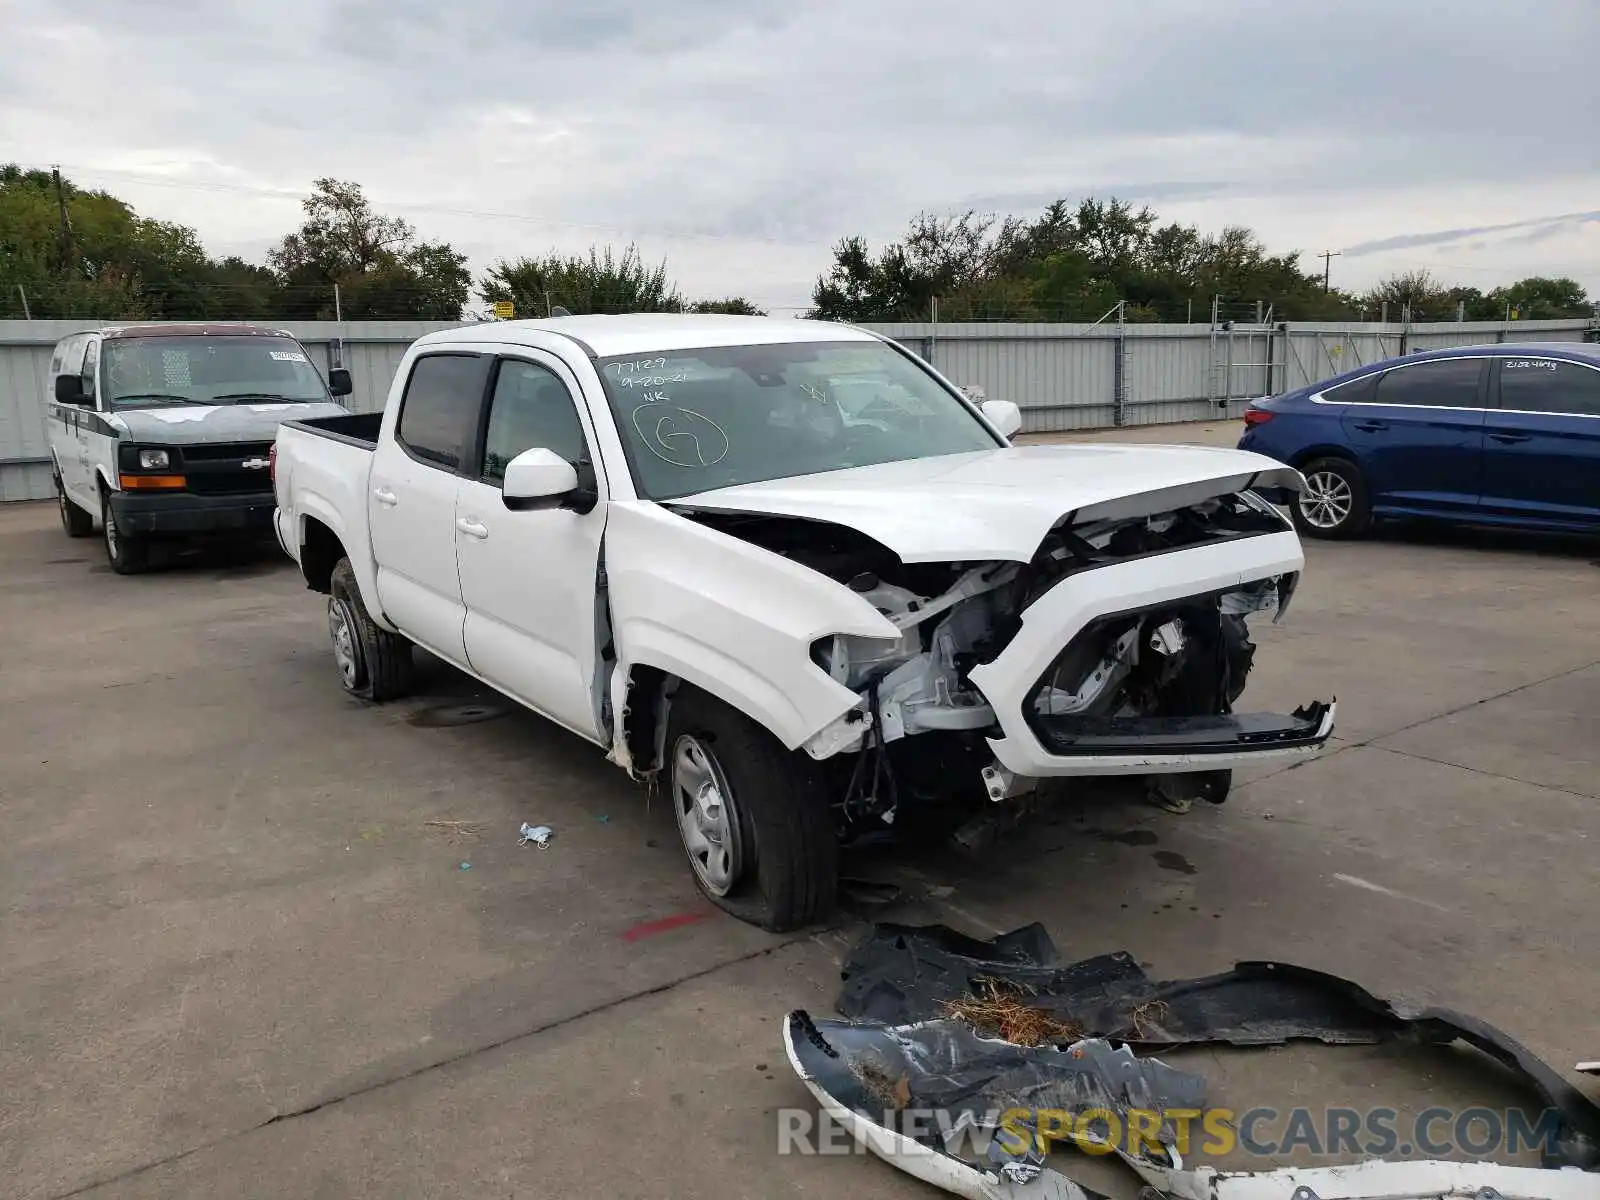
(184, 514)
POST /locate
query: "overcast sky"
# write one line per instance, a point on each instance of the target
(741, 138)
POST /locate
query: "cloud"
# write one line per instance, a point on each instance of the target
(1539, 229)
(742, 138)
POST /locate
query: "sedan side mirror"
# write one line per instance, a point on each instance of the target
(1003, 415)
(69, 390)
(339, 383)
(538, 478)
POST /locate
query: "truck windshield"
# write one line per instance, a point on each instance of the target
(694, 420)
(146, 372)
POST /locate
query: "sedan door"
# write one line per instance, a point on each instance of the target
(529, 576)
(1420, 435)
(1542, 454)
(414, 482)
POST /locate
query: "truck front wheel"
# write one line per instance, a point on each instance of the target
(373, 663)
(754, 818)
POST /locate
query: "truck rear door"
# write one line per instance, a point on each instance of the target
(413, 487)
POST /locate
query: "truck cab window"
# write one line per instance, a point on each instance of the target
(531, 408)
(440, 404)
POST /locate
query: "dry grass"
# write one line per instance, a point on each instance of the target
(1146, 1015)
(1002, 1010)
(456, 830)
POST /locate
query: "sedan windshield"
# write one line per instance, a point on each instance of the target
(149, 372)
(694, 420)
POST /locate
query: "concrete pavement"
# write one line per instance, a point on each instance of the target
(248, 954)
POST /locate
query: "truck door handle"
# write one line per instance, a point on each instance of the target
(1371, 426)
(385, 497)
(1507, 439)
(473, 529)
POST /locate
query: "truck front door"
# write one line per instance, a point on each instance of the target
(528, 577)
(413, 483)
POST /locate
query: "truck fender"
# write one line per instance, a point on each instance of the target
(311, 505)
(730, 618)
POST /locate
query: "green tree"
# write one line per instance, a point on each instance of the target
(1072, 262)
(1540, 298)
(599, 282)
(104, 262)
(381, 270)
(736, 306)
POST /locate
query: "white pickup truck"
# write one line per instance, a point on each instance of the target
(792, 573)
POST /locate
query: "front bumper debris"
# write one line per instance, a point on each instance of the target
(1223, 735)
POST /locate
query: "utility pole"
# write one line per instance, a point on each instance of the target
(1327, 257)
(338, 306)
(66, 224)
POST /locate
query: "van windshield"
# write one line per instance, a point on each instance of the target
(149, 372)
(694, 420)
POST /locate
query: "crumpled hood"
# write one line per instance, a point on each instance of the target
(214, 422)
(999, 504)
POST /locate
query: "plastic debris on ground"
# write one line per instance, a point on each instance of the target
(539, 835)
(948, 1030)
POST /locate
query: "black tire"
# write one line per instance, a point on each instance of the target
(1328, 481)
(74, 520)
(382, 664)
(785, 869)
(128, 555)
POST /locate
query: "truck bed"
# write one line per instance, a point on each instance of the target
(354, 429)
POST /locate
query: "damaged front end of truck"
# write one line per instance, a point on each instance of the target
(1120, 647)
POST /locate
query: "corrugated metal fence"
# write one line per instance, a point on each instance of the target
(1064, 377)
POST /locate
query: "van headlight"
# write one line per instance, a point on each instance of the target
(154, 460)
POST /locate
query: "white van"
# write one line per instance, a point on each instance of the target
(166, 431)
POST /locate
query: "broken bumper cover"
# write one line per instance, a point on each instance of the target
(1230, 737)
(1046, 746)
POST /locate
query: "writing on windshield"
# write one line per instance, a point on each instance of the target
(695, 420)
(146, 372)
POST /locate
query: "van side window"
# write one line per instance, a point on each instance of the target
(531, 409)
(1442, 383)
(91, 367)
(439, 410)
(1549, 385)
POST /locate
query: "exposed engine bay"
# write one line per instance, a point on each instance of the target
(923, 724)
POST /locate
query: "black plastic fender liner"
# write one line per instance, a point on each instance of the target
(900, 975)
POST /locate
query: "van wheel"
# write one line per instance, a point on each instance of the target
(373, 663)
(754, 818)
(74, 520)
(127, 554)
(1335, 503)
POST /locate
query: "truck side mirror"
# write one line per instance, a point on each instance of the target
(339, 383)
(1003, 415)
(69, 390)
(537, 478)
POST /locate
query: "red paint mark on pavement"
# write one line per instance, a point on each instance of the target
(665, 925)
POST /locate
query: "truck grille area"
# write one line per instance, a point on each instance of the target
(221, 470)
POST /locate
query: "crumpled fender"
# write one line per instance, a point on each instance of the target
(735, 620)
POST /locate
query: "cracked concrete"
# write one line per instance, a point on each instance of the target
(239, 961)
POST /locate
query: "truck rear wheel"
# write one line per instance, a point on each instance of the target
(373, 663)
(754, 818)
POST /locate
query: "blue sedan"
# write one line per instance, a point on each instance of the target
(1492, 435)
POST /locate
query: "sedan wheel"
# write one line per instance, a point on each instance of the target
(1327, 500)
(1334, 502)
